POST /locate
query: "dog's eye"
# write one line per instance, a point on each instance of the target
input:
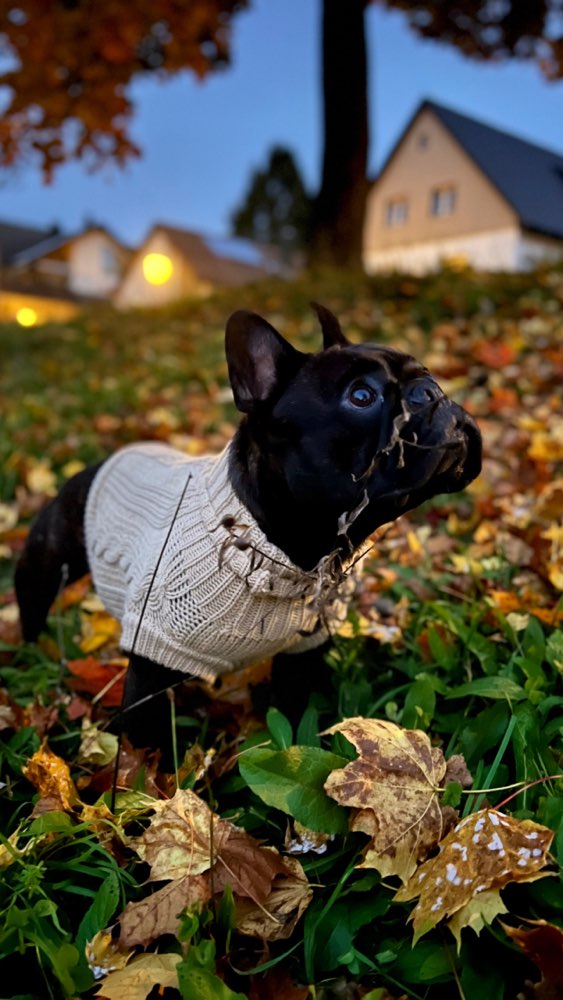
(362, 395)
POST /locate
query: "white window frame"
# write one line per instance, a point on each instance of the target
(443, 200)
(396, 211)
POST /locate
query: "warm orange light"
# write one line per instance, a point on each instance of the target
(26, 316)
(157, 268)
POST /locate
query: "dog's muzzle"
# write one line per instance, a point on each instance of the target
(445, 431)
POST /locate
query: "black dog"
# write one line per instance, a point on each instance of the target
(331, 446)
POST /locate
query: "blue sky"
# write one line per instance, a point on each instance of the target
(201, 140)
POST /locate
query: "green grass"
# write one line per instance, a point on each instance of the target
(468, 589)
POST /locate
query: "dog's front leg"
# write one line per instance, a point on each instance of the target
(295, 676)
(146, 715)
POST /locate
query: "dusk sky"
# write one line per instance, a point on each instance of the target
(202, 140)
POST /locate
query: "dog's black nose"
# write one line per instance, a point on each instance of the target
(422, 391)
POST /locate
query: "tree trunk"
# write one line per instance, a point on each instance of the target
(339, 208)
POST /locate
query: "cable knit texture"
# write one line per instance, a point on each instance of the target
(193, 580)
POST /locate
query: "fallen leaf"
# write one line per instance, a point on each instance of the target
(137, 979)
(486, 850)
(184, 837)
(74, 593)
(479, 912)
(202, 854)
(93, 677)
(543, 944)
(40, 478)
(51, 776)
(494, 353)
(10, 631)
(145, 921)
(394, 784)
(288, 900)
(96, 746)
(103, 956)
(8, 517)
(98, 629)
(9, 852)
(246, 866)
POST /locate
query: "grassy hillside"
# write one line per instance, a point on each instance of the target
(455, 633)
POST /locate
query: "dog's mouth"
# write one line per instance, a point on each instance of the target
(433, 449)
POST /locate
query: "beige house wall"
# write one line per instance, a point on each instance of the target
(135, 290)
(429, 157)
(89, 265)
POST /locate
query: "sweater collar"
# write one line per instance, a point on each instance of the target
(243, 547)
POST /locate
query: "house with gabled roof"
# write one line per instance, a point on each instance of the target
(454, 189)
(50, 275)
(173, 263)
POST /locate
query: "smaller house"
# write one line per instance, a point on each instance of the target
(48, 275)
(174, 263)
(455, 189)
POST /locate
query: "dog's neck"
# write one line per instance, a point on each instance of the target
(305, 534)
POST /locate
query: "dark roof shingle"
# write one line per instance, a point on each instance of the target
(14, 239)
(529, 177)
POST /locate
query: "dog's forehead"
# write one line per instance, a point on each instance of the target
(377, 358)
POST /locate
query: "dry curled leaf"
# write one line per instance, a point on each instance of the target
(136, 980)
(103, 956)
(485, 851)
(51, 776)
(186, 838)
(543, 944)
(276, 919)
(394, 784)
(159, 914)
(202, 854)
(96, 745)
(183, 838)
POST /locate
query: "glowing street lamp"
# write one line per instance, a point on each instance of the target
(26, 316)
(157, 268)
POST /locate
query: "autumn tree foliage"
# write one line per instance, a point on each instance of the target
(70, 63)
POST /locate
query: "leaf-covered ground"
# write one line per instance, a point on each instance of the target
(280, 863)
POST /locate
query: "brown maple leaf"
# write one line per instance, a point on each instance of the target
(483, 852)
(201, 854)
(288, 900)
(543, 944)
(145, 921)
(394, 783)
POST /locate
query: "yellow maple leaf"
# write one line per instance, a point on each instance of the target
(98, 629)
(137, 979)
(40, 478)
(103, 956)
(51, 776)
(182, 838)
(8, 517)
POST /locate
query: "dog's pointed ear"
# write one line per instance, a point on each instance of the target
(260, 360)
(332, 331)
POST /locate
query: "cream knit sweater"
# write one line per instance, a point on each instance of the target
(197, 587)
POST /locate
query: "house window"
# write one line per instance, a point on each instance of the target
(396, 212)
(423, 140)
(442, 200)
(108, 260)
